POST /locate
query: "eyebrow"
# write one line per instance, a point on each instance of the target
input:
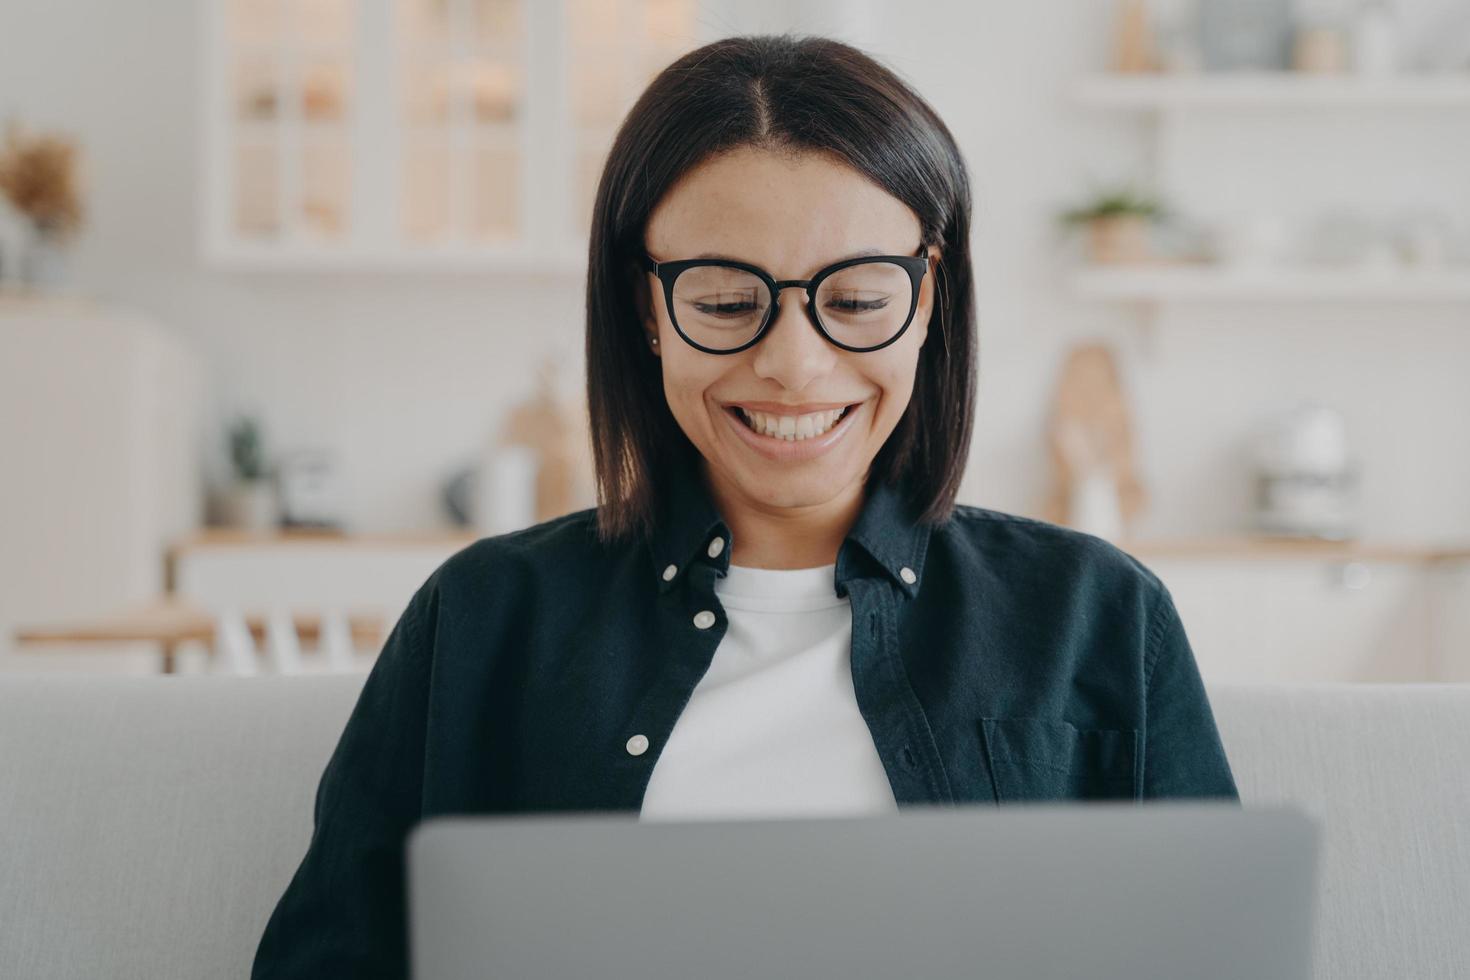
(862, 254)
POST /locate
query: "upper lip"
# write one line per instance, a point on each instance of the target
(778, 408)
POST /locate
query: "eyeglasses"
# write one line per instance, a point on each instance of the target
(721, 306)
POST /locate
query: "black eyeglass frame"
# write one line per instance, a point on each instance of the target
(915, 265)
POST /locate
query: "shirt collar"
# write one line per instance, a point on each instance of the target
(887, 533)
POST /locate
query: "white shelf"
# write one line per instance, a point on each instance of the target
(1172, 284)
(1273, 90)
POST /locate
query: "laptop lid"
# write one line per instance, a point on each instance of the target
(1109, 891)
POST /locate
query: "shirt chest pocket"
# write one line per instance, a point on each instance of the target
(1036, 759)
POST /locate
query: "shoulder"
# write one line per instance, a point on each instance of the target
(1094, 605)
(1029, 548)
(561, 552)
(568, 534)
(561, 542)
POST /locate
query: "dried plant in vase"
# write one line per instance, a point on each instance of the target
(1117, 222)
(39, 176)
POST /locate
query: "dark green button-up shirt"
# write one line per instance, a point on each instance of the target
(995, 659)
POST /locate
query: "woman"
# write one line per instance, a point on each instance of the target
(777, 608)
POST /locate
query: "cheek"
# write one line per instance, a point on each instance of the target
(896, 381)
(895, 403)
(685, 385)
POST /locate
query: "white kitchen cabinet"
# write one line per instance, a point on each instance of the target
(376, 574)
(1450, 619)
(420, 133)
(1307, 619)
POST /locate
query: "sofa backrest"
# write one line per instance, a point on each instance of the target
(148, 825)
(1386, 769)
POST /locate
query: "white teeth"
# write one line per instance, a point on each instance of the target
(792, 428)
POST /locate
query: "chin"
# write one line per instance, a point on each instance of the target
(778, 489)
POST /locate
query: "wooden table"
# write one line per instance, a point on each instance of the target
(171, 621)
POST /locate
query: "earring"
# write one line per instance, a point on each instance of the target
(655, 341)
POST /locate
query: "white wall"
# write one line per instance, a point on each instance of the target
(404, 374)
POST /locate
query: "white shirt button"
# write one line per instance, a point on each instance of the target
(704, 619)
(907, 574)
(638, 744)
(716, 546)
(670, 572)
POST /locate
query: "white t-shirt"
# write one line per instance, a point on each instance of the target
(773, 728)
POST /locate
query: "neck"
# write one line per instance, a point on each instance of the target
(764, 535)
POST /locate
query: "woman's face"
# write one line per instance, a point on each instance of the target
(791, 217)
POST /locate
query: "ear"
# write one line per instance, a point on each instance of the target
(928, 291)
(642, 300)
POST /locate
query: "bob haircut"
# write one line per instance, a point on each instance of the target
(788, 94)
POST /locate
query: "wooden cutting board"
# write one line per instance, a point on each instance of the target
(1090, 426)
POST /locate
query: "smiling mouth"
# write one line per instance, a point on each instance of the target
(791, 428)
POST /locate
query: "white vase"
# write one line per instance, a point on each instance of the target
(1375, 40)
(44, 263)
(1095, 506)
(251, 505)
(506, 494)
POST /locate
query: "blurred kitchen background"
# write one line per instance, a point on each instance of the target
(291, 298)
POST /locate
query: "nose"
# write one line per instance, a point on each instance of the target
(793, 351)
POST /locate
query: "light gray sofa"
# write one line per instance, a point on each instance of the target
(147, 825)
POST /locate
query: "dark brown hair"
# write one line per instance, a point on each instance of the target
(788, 94)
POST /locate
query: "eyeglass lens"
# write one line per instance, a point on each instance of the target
(861, 306)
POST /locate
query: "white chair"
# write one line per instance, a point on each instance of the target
(238, 653)
(282, 644)
(336, 640)
(234, 645)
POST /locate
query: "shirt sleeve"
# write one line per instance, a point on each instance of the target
(1183, 755)
(343, 913)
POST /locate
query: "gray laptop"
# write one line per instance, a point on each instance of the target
(1106, 891)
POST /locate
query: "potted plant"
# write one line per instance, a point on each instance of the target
(1117, 222)
(38, 176)
(250, 501)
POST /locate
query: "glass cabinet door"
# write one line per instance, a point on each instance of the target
(463, 109)
(290, 126)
